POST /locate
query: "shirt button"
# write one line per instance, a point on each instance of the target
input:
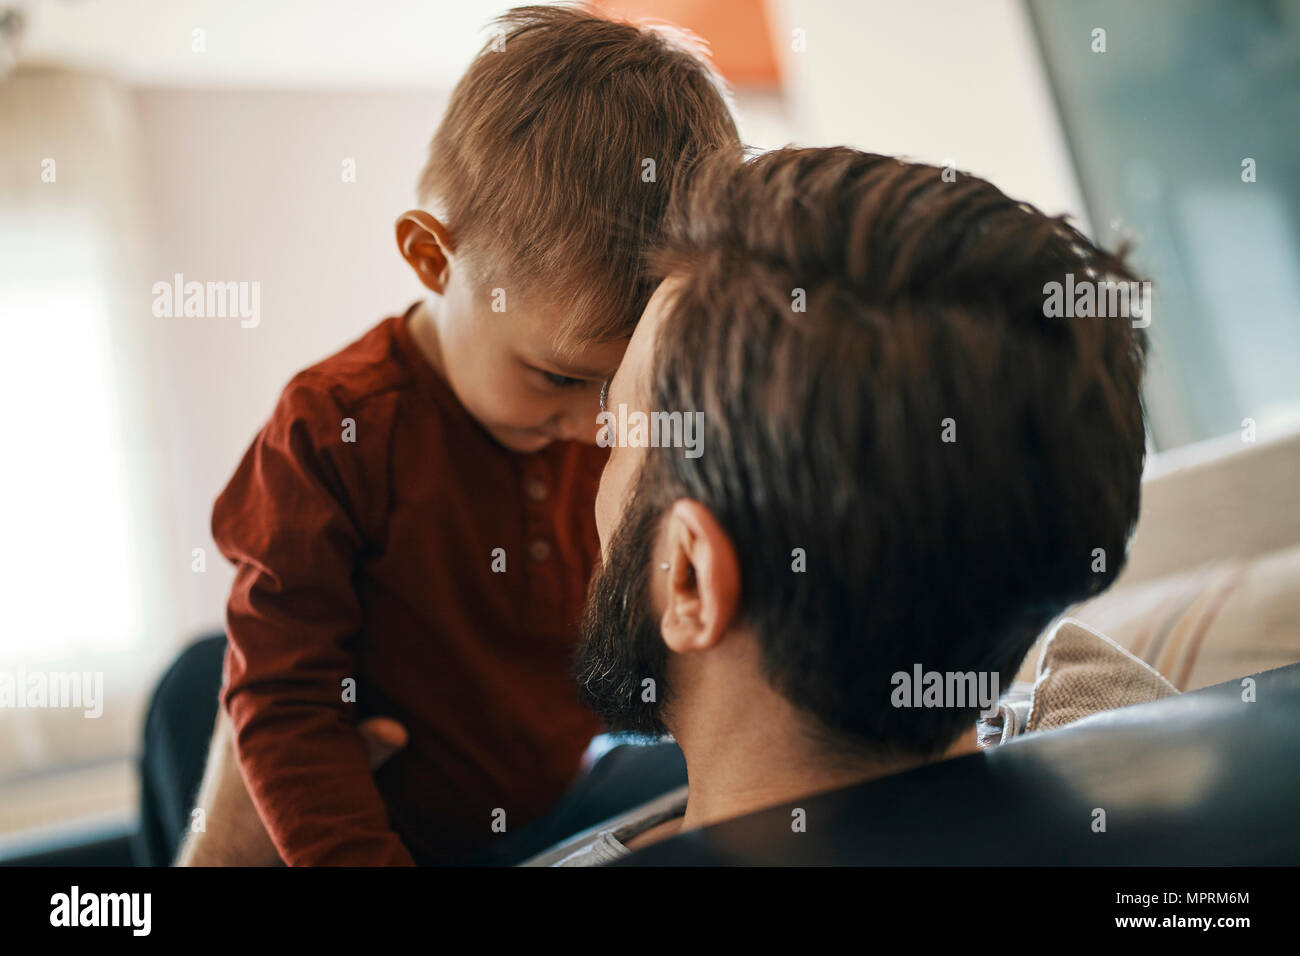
(539, 550)
(537, 489)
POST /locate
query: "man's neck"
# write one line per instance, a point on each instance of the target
(751, 749)
(753, 768)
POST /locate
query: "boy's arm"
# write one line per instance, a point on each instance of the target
(233, 833)
(291, 521)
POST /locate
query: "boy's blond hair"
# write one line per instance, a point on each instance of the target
(559, 152)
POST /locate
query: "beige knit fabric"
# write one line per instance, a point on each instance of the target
(1081, 673)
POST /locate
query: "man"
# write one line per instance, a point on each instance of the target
(905, 463)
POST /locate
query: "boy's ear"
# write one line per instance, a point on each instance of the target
(425, 244)
(703, 587)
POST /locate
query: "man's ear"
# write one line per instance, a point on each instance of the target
(425, 244)
(703, 591)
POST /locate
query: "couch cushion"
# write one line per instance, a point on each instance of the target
(1205, 626)
(1081, 673)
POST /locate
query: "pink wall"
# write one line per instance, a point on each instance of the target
(247, 186)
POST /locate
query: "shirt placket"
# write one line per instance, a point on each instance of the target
(540, 546)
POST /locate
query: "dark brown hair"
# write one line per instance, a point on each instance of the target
(537, 165)
(924, 301)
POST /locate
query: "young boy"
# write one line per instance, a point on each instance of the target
(413, 529)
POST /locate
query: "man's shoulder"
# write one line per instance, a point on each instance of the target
(605, 842)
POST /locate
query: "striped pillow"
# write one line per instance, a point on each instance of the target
(1206, 626)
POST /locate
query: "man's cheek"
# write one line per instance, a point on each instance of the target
(603, 526)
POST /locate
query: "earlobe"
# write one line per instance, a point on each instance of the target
(425, 244)
(681, 623)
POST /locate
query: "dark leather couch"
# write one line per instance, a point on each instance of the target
(1199, 779)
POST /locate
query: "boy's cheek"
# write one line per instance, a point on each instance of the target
(516, 421)
(523, 408)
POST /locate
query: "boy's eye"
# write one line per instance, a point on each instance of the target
(563, 381)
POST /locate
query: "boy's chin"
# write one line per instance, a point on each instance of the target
(522, 440)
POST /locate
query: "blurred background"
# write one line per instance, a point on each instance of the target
(211, 138)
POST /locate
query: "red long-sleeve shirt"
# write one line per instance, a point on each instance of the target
(372, 559)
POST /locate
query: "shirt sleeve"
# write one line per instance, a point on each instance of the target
(290, 522)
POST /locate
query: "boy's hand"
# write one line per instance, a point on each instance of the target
(383, 737)
(235, 835)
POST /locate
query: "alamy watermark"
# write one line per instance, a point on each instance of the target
(76, 908)
(23, 689)
(959, 690)
(209, 300)
(651, 430)
(1102, 300)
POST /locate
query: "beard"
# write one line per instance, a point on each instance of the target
(621, 644)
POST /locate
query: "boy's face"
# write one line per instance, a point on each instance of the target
(503, 365)
(496, 346)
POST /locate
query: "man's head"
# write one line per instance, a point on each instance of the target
(906, 461)
(546, 183)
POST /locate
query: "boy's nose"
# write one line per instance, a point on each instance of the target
(575, 431)
(577, 426)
